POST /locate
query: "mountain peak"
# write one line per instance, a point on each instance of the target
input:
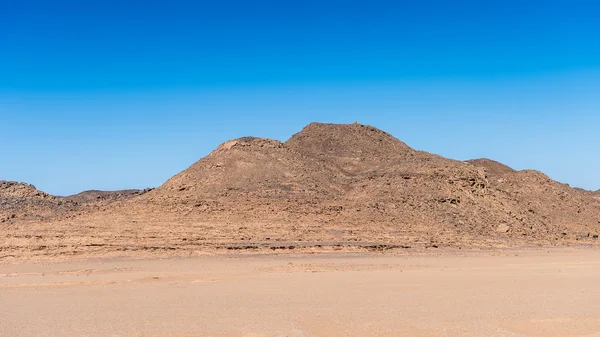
(346, 140)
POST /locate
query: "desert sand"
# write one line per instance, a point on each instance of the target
(550, 292)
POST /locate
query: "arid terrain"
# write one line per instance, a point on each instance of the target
(342, 230)
(513, 293)
(330, 187)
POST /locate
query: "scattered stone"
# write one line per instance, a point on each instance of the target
(502, 228)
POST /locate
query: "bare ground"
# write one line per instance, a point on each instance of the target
(532, 292)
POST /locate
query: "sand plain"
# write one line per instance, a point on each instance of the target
(550, 292)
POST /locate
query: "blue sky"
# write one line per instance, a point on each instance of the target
(125, 94)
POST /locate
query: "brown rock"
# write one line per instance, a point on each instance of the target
(502, 228)
(329, 185)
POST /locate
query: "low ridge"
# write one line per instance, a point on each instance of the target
(20, 190)
(22, 201)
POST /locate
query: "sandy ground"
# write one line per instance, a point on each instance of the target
(536, 292)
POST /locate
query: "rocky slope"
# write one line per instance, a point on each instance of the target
(25, 202)
(357, 174)
(19, 199)
(346, 186)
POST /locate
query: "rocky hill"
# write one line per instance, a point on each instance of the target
(348, 186)
(358, 174)
(21, 201)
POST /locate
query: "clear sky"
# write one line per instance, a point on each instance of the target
(124, 94)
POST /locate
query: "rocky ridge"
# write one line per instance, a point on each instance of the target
(330, 185)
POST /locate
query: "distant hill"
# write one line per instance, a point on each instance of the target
(25, 201)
